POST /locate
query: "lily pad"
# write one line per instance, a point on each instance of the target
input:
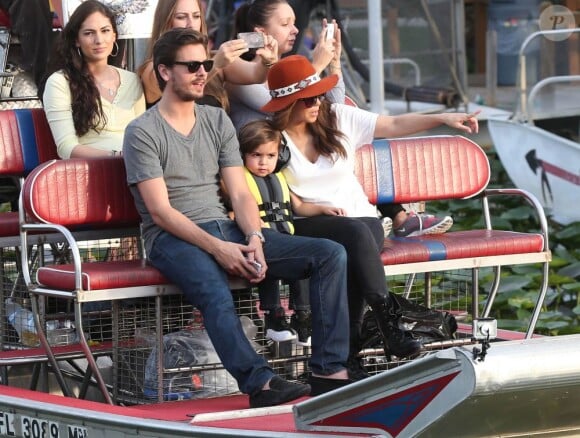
(572, 270)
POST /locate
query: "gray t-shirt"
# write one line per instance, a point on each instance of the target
(190, 165)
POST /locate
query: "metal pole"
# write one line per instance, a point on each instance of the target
(377, 81)
(491, 67)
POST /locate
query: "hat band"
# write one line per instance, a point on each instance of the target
(296, 87)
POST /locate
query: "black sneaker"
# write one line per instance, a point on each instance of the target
(355, 368)
(301, 323)
(281, 391)
(277, 327)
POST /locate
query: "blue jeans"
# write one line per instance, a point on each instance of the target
(205, 285)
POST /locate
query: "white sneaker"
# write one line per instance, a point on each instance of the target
(277, 327)
(387, 225)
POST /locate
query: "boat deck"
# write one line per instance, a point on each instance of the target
(247, 422)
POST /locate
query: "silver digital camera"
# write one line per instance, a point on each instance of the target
(254, 40)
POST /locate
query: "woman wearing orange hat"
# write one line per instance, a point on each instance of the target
(322, 139)
(276, 19)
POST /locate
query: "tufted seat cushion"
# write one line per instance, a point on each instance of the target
(459, 245)
(102, 275)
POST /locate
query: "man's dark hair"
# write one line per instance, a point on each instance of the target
(166, 47)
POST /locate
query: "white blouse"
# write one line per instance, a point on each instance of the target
(334, 183)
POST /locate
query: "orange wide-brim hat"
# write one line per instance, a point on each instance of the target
(293, 78)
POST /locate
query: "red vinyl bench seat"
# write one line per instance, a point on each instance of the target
(103, 275)
(91, 196)
(446, 167)
(70, 195)
(457, 245)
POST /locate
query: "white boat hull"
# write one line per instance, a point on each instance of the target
(542, 163)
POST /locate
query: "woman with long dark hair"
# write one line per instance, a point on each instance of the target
(87, 101)
(322, 139)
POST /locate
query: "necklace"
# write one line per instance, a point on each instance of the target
(110, 91)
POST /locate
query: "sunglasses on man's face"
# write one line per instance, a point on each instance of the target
(193, 66)
(311, 101)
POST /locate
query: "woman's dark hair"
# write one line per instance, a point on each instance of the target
(324, 130)
(254, 14)
(166, 47)
(87, 111)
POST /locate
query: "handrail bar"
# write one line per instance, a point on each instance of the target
(547, 81)
(409, 61)
(522, 62)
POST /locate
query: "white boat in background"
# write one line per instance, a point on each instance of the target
(539, 144)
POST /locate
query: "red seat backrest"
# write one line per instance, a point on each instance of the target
(80, 193)
(422, 169)
(25, 141)
(349, 101)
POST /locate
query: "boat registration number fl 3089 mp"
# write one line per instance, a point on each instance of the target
(24, 426)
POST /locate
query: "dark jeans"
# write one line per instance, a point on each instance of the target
(205, 285)
(363, 239)
(269, 291)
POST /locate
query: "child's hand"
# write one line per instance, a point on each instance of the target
(464, 122)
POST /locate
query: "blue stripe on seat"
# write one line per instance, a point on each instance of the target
(385, 182)
(27, 138)
(437, 250)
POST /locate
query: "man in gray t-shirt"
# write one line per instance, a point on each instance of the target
(176, 154)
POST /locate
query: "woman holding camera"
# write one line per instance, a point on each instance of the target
(276, 18)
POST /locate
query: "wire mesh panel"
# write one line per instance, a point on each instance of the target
(13, 290)
(189, 366)
(17, 328)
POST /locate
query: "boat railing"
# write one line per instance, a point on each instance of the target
(523, 79)
(397, 61)
(534, 92)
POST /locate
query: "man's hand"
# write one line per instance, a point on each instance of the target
(254, 253)
(239, 260)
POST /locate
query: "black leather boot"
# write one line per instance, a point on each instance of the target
(396, 342)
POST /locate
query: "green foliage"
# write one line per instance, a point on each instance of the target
(519, 286)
